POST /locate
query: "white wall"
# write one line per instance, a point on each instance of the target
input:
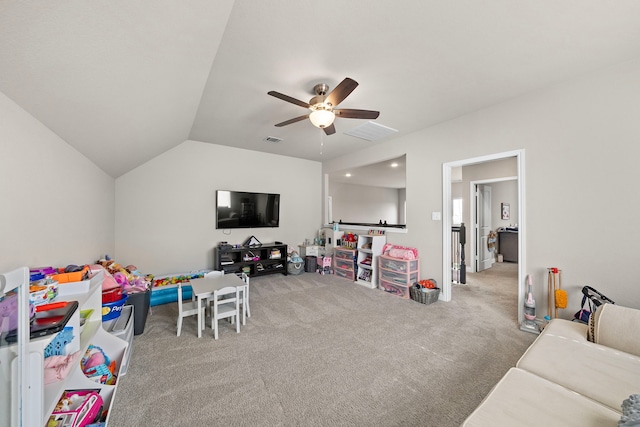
(581, 140)
(165, 209)
(504, 192)
(57, 207)
(361, 203)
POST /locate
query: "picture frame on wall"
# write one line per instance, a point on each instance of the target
(505, 209)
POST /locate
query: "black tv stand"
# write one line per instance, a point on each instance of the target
(255, 261)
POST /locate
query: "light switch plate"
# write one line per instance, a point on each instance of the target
(435, 216)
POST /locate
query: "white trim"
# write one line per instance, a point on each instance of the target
(446, 221)
(445, 295)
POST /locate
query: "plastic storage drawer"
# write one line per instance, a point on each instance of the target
(348, 274)
(398, 265)
(403, 279)
(344, 264)
(395, 289)
(344, 253)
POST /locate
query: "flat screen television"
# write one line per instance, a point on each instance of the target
(239, 209)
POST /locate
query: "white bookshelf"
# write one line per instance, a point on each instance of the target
(368, 249)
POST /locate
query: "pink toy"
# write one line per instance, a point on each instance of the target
(325, 265)
(120, 278)
(9, 313)
(56, 368)
(77, 408)
(93, 357)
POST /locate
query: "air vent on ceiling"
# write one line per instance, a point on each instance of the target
(272, 139)
(371, 131)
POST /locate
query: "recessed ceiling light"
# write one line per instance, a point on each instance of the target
(394, 165)
(348, 175)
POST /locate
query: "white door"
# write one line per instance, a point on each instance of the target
(483, 257)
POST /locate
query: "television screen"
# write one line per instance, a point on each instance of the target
(237, 209)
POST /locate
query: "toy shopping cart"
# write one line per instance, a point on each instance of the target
(324, 266)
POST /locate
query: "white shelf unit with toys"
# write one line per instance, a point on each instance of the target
(368, 250)
(44, 397)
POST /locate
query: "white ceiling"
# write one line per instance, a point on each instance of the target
(123, 81)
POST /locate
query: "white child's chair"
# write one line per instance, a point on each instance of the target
(211, 274)
(186, 309)
(244, 301)
(226, 304)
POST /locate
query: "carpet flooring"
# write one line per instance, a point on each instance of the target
(322, 351)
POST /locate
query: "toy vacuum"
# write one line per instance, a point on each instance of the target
(529, 323)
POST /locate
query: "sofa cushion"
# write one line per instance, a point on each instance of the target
(617, 327)
(563, 355)
(524, 399)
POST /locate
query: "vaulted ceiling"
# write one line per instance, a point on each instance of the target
(123, 81)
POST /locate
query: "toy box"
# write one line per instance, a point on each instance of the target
(76, 408)
(41, 292)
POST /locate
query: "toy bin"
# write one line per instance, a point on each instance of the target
(310, 264)
(141, 302)
(111, 310)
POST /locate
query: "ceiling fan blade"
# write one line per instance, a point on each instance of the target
(348, 113)
(341, 92)
(288, 99)
(296, 119)
(330, 130)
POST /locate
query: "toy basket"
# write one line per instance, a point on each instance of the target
(424, 295)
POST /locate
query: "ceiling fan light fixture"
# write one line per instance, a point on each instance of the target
(322, 118)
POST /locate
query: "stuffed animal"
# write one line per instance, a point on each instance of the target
(9, 313)
(93, 357)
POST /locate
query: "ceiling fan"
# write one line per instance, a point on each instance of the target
(323, 106)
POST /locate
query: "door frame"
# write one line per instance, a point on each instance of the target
(446, 220)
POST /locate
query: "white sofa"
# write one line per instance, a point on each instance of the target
(563, 379)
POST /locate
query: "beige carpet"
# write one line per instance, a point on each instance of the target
(322, 351)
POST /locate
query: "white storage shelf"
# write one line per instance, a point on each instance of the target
(45, 397)
(368, 250)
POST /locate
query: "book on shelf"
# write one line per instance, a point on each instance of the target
(365, 275)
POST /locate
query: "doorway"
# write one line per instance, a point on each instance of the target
(447, 219)
(481, 222)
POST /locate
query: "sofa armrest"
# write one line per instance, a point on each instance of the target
(617, 327)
